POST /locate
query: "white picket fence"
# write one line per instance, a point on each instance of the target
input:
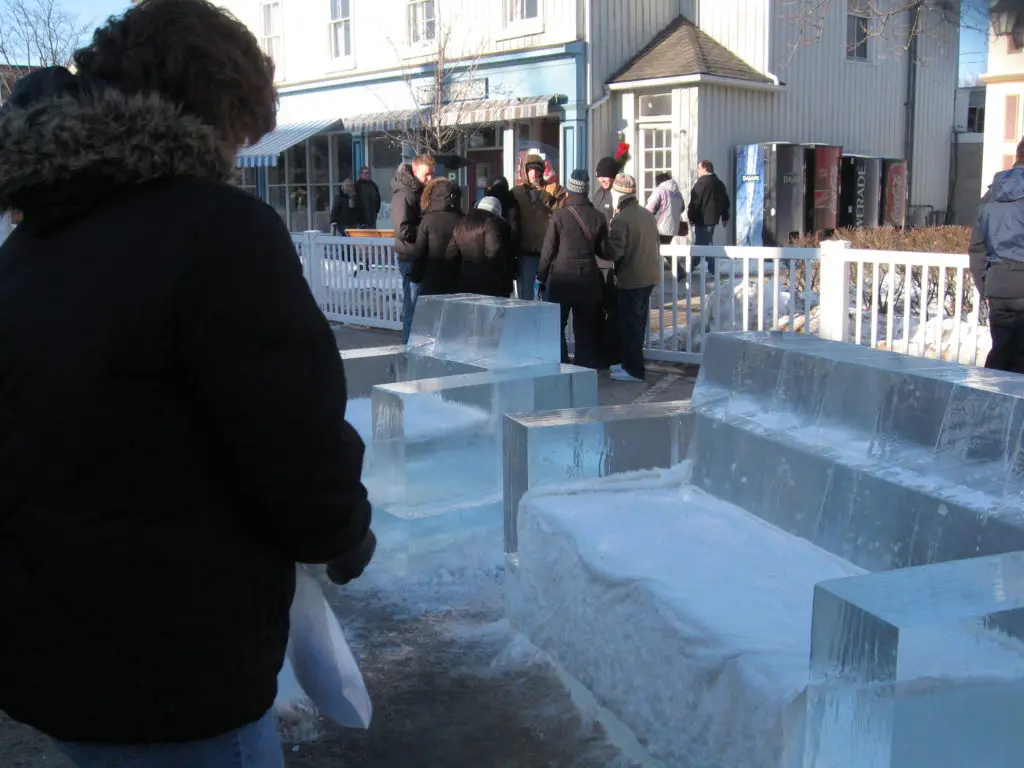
(921, 304)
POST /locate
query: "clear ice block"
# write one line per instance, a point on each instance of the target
(366, 368)
(581, 443)
(489, 332)
(919, 667)
(437, 442)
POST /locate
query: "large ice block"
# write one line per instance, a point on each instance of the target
(458, 462)
(579, 443)
(919, 667)
(366, 368)
(490, 332)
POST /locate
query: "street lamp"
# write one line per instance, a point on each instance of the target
(1003, 14)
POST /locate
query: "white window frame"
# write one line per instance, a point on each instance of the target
(346, 60)
(514, 25)
(419, 46)
(854, 10)
(268, 38)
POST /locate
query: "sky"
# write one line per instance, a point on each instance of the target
(96, 11)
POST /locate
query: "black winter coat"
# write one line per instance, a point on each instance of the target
(343, 215)
(432, 268)
(568, 261)
(480, 246)
(509, 211)
(405, 210)
(709, 202)
(172, 428)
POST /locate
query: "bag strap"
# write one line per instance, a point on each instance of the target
(579, 220)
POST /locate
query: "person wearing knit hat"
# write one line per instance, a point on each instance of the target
(344, 212)
(568, 268)
(607, 170)
(536, 200)
(634, 244)
(481, 247)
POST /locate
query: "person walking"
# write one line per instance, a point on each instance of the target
(536, 201)
(345, 212)
(432, 269)
(634, 246)
(480, 247)
(161, 476)
(666, 203)
(368, 200)
(568, 268)
(997, 264)
(406, 189)
(709, 205)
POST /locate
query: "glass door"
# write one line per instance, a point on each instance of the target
(655, 156)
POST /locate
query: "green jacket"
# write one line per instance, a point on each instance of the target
(635, 246)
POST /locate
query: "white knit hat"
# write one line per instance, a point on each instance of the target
(490, 204)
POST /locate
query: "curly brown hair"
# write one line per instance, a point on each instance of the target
(194, 54)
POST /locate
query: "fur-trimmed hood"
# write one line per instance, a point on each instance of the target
(63, 153)
(440, 195)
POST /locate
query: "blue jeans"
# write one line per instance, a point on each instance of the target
(252, 746)
(410, 292)
(705, 236)
(529, 263)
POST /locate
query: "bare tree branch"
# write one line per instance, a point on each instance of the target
(33, 34)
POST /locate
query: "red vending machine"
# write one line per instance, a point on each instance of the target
(822, 168)
(894, 193)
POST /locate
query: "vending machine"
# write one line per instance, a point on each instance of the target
(894, 193)
(821, 164)
(770, 194)
(860, 192)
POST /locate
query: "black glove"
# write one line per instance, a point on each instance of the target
(350, 566)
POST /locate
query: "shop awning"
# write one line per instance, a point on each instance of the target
(397, 120)
(488, 111)
(265, 152)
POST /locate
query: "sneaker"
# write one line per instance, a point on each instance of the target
(621, 375)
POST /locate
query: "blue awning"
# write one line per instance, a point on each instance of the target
(264, 153)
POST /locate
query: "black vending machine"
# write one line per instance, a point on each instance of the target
(860, 199)
(770, 200)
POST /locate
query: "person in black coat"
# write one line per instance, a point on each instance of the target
(480, 246)
(568, 268)
(432, 269)
(164, 467)
(345, 214)
(500, 190)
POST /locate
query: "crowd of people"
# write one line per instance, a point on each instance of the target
(597, 256)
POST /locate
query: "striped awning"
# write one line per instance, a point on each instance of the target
(398, 120)
(264, 153)
(488, 111)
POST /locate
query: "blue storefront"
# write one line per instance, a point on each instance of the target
(504, 105)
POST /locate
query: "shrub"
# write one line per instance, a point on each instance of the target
(920, 240)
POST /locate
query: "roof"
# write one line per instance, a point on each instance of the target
(683, 50)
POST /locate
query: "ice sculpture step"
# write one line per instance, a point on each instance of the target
(919, 667)
(489, 332)
(579, 443)
(687, 617)
(366, 368)
(416, 473)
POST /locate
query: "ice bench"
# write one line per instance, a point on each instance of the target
(757, 406)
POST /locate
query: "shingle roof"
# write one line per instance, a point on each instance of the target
(680, 50)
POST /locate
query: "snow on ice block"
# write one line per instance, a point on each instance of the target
(872, 512)
(366, 368)
(578, 443)
(685, 616)
(418, 473)
(486, 331)
(919, 667)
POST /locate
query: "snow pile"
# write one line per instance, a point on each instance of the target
(971, 348)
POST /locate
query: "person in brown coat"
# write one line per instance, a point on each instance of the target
(432, 269)
(635, 247)
(568, 269)
(536, 201)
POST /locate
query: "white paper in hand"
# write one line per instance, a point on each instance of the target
(321, 660)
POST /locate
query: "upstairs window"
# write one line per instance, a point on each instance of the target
(521, 10)
(857, 32)
(421, 17)
(270, 31)
(521, 18)
(341, 29)
(976, 112)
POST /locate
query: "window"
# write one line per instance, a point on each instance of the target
(976, 112)
(422, 21)
(521, 10)
(857, 26)
(246, 179)
(1012, 119)
(655, 158)
(520, 18)
(271, 30)
(341, 29)
(1008, 162)
(655, 105)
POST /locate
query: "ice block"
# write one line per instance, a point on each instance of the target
(423, 468)
(580, 443)
(366, 368)
(490, 332)
(919, 667)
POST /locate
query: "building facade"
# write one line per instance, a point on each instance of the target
(1004, 102)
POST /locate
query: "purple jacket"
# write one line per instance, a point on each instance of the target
(666, 203)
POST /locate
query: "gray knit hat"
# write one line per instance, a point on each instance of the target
(490, 204)
(624, 184)
(579, 182)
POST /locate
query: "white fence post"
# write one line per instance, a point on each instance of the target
(315, 267)
(834, 288)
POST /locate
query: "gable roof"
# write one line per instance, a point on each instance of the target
(683, 50)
